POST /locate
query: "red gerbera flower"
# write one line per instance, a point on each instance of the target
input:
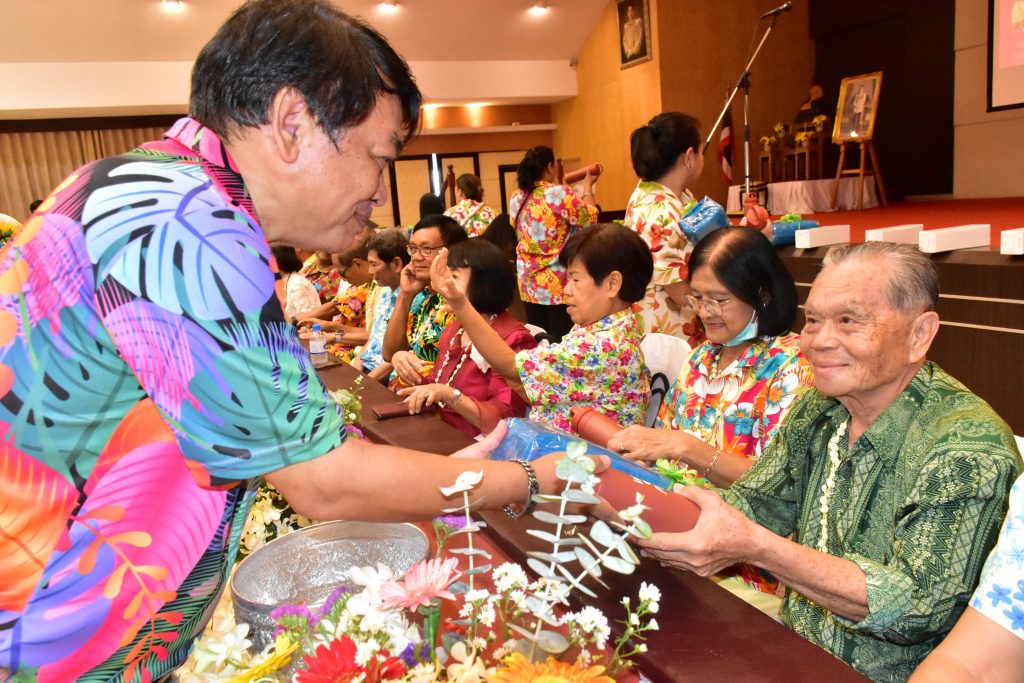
(334, 663)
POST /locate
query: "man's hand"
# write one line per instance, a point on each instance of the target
(442, 282)
(408, 283)
(426, 395)
(408, 366)
(723, 536)
(647, 445)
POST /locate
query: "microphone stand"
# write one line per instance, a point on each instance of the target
(744, 83)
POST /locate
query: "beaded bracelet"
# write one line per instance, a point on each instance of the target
(711, 465)
(534, 489)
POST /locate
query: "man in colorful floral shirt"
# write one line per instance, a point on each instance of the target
(420, 314)
(387, 254)
(890, 476)
(148, 377)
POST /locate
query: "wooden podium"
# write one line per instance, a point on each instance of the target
(867, 148)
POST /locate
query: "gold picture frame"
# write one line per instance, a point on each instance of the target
(634, 17)
(857, 108)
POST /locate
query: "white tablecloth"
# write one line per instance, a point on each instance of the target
(810, 196)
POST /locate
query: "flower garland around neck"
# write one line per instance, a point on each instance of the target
(830, 482)
(466, 352)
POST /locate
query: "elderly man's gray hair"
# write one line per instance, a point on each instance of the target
(913, 278)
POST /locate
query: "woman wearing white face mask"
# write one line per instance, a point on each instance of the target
(735, 389)
(732, 394)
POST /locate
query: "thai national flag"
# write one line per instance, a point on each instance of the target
(725, 148)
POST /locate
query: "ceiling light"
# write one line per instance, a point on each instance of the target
(389, 6)
(539, 8)
(172, 5)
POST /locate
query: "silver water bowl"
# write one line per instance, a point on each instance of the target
(304, 566)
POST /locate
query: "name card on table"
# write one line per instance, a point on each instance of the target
(821, 237)
(1011, 242)
(899, 234)
(959, 237)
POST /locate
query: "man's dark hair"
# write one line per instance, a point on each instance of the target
(287, 260)
(605, 247)
(745, 261)
(339, 64)
(492, 280)
(430, 204)
(34, 205)
(451, 232)
(390, 244)
(655, 147)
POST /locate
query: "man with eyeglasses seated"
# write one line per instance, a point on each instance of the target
(420, 314)
(881, 495)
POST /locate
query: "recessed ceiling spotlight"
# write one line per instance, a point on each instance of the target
(539, 8)
(172, 5)
(389, 6)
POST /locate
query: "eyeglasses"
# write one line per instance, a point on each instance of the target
(710, 306)
(344, 271)
(426, 251)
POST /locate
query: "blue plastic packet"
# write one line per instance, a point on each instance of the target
(702, 219)
(784, 232)
(528, 441)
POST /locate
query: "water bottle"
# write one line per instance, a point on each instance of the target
(317, 347)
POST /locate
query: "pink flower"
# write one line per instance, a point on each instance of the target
(424, 582)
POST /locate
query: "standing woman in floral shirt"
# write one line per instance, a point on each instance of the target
(598, 364)
(470, 212)
(668, 157)
(545, 215)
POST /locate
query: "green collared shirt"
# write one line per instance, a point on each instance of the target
(917, 504)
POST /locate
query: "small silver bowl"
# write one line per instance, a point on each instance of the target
(304, 566)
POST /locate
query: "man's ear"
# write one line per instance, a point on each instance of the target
(922, 332)
(290, 122)
(397, 264)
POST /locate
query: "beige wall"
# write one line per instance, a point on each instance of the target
(704, 47)
(987, 147)
(595, 125)
(700, 49)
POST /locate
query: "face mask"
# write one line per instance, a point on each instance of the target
(746, 334)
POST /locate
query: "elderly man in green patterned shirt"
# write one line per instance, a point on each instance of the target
(883, 492)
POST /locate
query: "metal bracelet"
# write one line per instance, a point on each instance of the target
(534, 489)
(711, 465)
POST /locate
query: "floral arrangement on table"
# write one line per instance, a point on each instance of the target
(819, 122)
(502, 627)
(768, 140)
(805, 137)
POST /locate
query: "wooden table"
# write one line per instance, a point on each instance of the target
(706, 633)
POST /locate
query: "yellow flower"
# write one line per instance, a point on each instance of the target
(283, 650)
(519, 669)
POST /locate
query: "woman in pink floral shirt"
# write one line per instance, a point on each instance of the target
(667, 155)
(545, 216)
(470, 212)
(598, 364)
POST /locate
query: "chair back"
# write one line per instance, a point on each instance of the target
(664, 356)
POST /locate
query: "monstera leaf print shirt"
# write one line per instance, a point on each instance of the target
(147, 379)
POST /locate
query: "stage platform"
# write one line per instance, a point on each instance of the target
(810, 196)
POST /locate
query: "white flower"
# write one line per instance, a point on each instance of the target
(233, 645)
(365, 651)
(650, 593)
(634, 620)
(642, 647)
(465, 482)
(592, 624)
(422, 673)
(518, 599)
(370, 577)
(486, 615)
(477, 595)
(652, 624)
(510, 576)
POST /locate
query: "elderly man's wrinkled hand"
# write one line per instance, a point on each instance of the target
(722, 537)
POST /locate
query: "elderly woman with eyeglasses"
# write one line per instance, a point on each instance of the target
(735, 389)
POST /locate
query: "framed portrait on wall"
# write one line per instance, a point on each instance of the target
(858, 106)
(1005, 54)
(634, 32)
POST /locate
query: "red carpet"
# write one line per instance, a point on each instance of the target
(1001, 213)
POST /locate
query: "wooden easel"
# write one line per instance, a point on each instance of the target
(867, 148)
